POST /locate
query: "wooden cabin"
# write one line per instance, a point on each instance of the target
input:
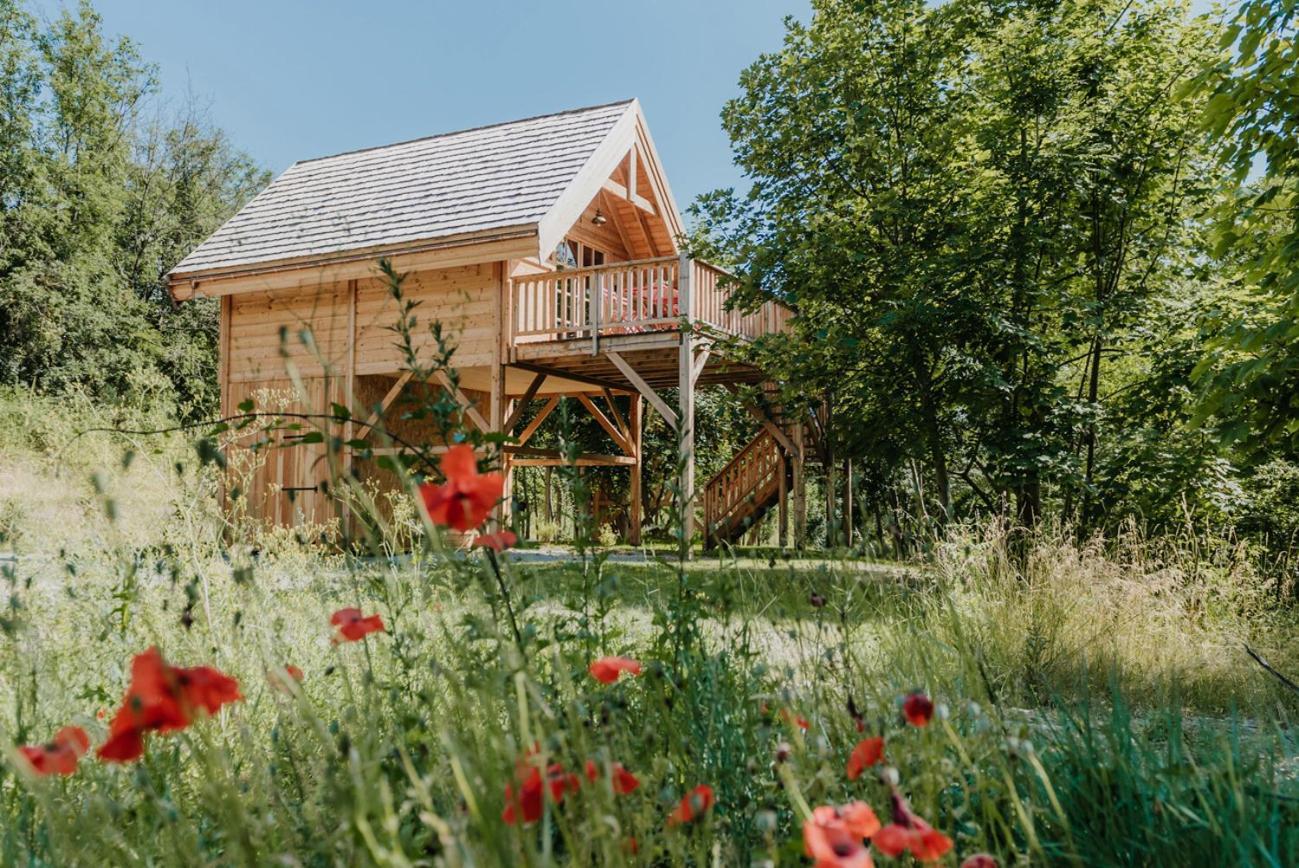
(547, 248)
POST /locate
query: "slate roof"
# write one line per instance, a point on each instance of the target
(494, 177)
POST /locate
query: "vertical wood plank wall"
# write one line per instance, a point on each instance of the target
(265, 335)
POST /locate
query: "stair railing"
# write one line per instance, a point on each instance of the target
(737, 485)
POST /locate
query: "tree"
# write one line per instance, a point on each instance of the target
(979, 210)
(95, 205)
(1252, 367)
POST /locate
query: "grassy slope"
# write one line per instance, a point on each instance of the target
(1097, 708)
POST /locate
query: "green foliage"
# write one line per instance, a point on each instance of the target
(1075, 719)
(97, 202)
(1252, 114)
(986, 218)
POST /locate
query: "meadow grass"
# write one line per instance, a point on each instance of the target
(1094, 705)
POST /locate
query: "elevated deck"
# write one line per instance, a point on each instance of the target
(591, 325)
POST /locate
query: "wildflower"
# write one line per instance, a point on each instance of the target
(979, 860)
(816, 600)
(868, 752)
(351, 625)
(909, 832)
(918, 709)
(607, 669)
(465, 499)
(624, 781)
(282, 679)
(532, 792)
(834, 837)
(796, 719)
(497, 542)
(163, 698)
(58, 756)
(695, 804)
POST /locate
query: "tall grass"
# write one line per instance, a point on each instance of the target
(1093, 703)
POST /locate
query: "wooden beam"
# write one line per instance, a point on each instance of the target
(383, 405)
(641, 203)
(767, 423)
(644, 388)
(701, 360)
(581, 461)
(526, 457)
(538, 419)
(603, 198)
(570, 375)
(465, 404)
(615, 415)
(631, 172)
(606, 424)
(523, 403)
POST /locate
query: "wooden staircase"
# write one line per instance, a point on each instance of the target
(741, 493)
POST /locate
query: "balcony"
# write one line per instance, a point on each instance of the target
(646, 297)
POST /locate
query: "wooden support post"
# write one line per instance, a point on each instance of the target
(686, 419)
(634, 507)
(782, 518)
(800, 487)
(349, 399)
(498, 404)
(847, 501)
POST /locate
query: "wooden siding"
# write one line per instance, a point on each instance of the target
(279, 484)
(465, 300)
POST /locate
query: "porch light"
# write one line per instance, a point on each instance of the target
(599, 219)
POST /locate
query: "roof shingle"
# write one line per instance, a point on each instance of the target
(485, 178)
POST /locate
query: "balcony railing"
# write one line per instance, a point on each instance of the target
(635, 297)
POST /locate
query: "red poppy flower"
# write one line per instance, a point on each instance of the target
(532, 791)
(834, 837)
(163, 698)
(58, 756)
(624, 781)
(497, 542)
(918, 709)
(695, 804)
(979, 860)
(797, 719)
(607, 669)
(909, 832)
(352, 626)
(867, 753)
(465, 499)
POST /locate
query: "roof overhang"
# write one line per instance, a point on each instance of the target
(514, 242)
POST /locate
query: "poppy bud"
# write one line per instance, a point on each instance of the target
(816, 600)
(782, 752)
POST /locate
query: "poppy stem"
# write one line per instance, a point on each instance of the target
(505, 596)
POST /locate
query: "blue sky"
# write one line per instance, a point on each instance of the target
(291, 79)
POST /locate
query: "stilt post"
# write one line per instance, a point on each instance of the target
(634, 507)
(686, 398)
(800, 486)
